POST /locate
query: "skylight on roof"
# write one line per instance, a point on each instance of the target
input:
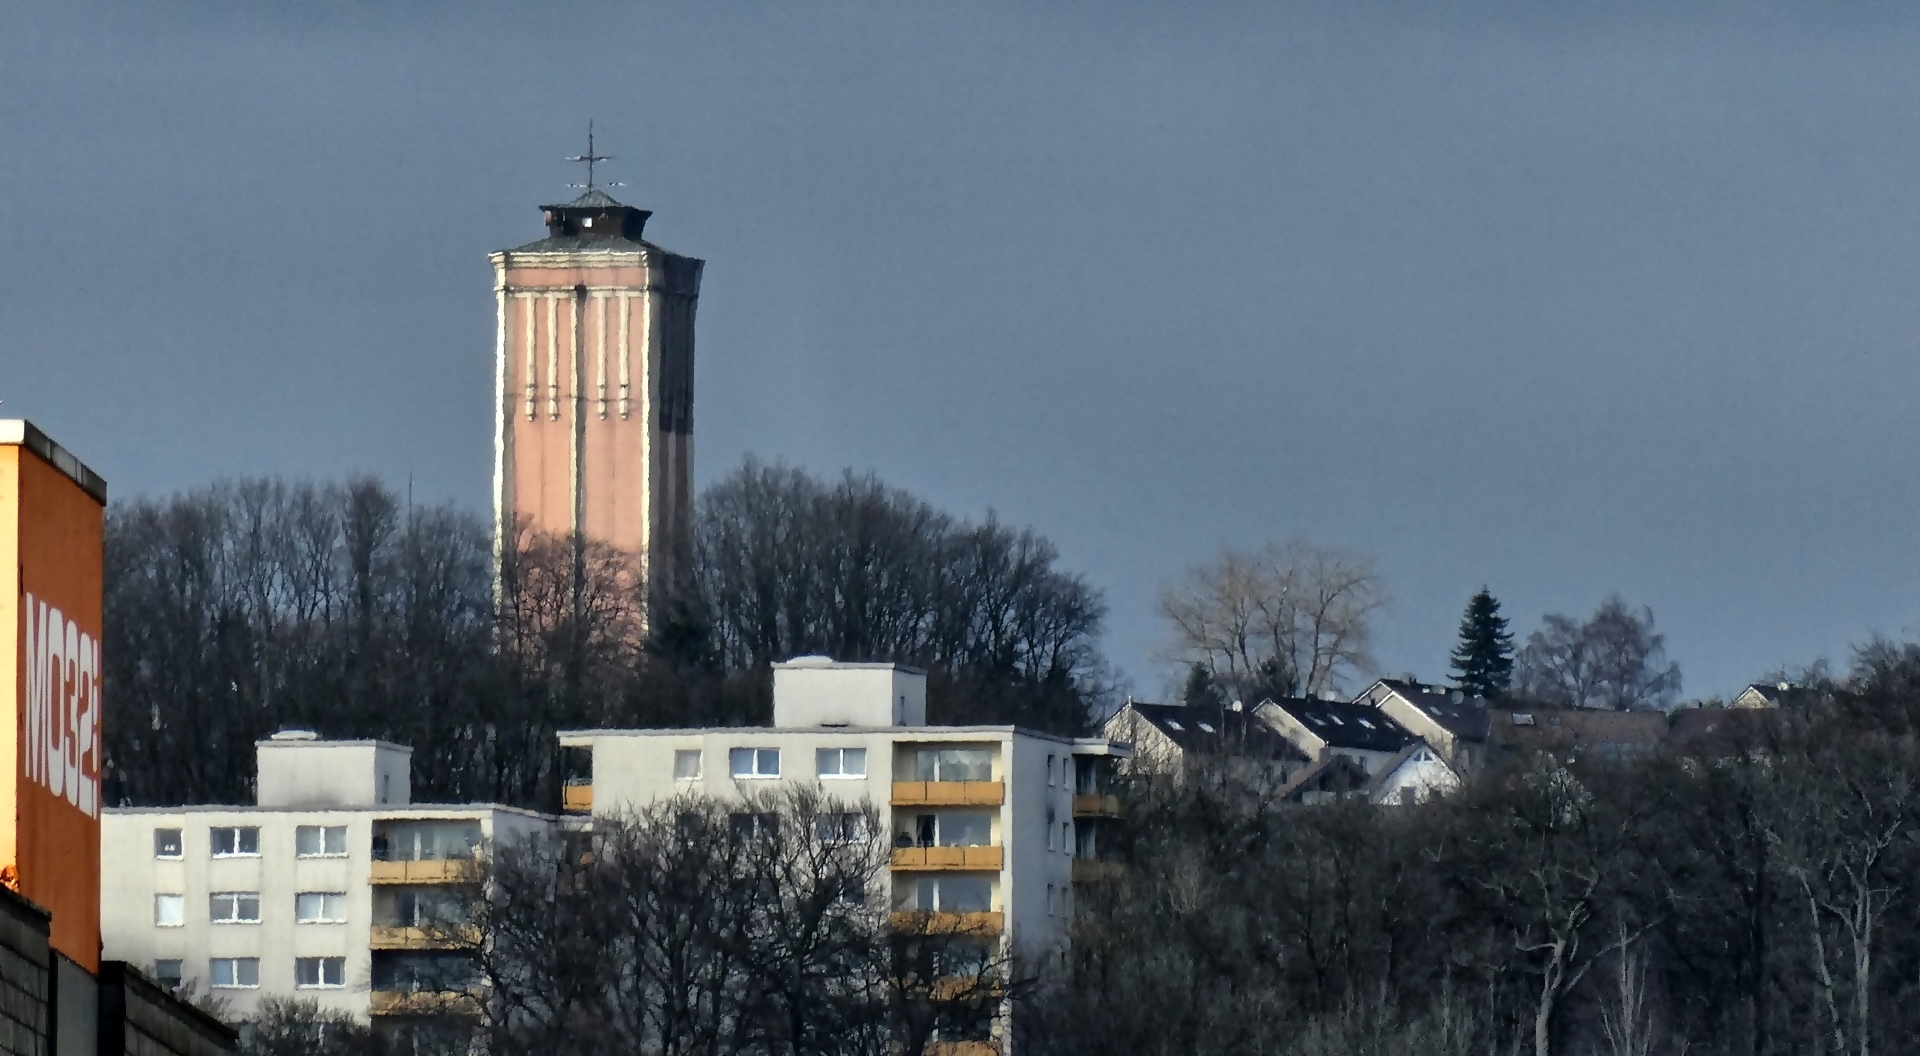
(1174, 724)
(1336, 720)
(1204, 726)
(1365, 723)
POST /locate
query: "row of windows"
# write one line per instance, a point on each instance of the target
(243, 841)
(243, 973)
(930, 764)
(243, 907)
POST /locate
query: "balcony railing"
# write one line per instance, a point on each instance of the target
(437, 937)
(1096, 806)
(949, 793)
(963, 1048)
(922, 859)
(1094, 871)
(922, 922)
(577, 799)
(437, 871)
(422, 1002)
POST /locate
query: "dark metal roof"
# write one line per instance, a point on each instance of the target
(587, 244)
(1345, 725)
(595, 198)
(1465, 717)
(1211, 731)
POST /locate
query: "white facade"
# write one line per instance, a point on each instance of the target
(1006, 795)
(214, 893)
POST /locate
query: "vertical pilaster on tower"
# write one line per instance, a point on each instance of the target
(591, 291)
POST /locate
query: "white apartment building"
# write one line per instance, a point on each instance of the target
(319, 890)
(991, 826)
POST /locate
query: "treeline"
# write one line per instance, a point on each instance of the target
(1752, 894)
(250, 606)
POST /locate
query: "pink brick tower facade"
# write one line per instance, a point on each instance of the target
(593, 385)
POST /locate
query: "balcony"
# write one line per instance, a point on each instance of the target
(921, 922)
(1096, 806)
(949, 793)
(438, 871)
(577, 799)
(927, 859)
(439, 937)
(963, 1048)
(422, 1002)
(1094, 871)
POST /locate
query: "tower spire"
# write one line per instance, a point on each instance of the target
(590, 158)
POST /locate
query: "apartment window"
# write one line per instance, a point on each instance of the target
(168, 973)
(754, 762)
(953, 764)
(1051, 845)
(952, 894)
(686, 764)
(1066, 836)
(320, 841)
(1053, 905)
(840, 828)
(753, 826)
(169, 911)
(166, 843)
(311, 973)
(234, 973)
(235, 907)
(1050, 769)
(320, 907)
(235, 842)
(952, 830)
(840, 762)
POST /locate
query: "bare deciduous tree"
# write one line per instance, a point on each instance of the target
(1613, 660)
(1282, 619)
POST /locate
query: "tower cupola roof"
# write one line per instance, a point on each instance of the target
(594, 216)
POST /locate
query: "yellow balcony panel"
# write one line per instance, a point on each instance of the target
(920, 922)
(965, 988)
(577, 799)
(926, 859)
(949, 793)
(1096, 806)
(422, 1002)
(439, 937)
(1093, 871)
(444, 871)
(963, 1048)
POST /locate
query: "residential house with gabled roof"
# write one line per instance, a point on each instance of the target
(1415, 775)
(1319, 728)
(1452, 722)
(1166, 738)
(1333, 776)
(1772, 695)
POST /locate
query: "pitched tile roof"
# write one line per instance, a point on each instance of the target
(1211, 731)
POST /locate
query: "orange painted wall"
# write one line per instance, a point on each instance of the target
(50, 744)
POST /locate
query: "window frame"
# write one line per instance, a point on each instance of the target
(213, 844)
(173, 981)
(699, 763)
(323, 830)
(840, 760)
(236, 898)
(759, 756)
(324, 897)
(179, 844)
(179, 902)
(320, 964)
(213, 974)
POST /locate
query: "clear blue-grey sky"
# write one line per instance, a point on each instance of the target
(1561, 298)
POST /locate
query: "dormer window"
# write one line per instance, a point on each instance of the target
(1174, 724)
(1204, 726)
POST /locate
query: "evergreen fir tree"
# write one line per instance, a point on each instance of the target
(1483, 662)
(1201, 690)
